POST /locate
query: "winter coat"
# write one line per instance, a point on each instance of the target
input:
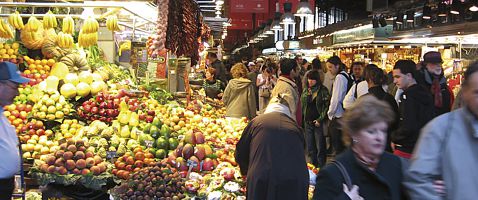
(383, 183)
(220, 70)
(321, 96)
(288, 87)
(271, 153)
(378, 92)
(426, 79)
(240, 99)
(447, 150)
(416, 109)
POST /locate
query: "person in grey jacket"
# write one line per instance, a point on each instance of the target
(448, 150)
(239, 95)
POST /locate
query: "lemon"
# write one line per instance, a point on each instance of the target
(7, 46)
(15, 45)
(10, 52)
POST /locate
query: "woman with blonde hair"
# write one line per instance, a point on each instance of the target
(239, 95)
(364, 170)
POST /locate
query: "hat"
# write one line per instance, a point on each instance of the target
(432, 57)
(259, 60)
(251, 64)
(9, 71)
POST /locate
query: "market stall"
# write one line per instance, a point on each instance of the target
(93, 126)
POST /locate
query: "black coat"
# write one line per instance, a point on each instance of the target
(384, 183)
(378, 92)
(271, 153)
(416, 110)
(426, 79)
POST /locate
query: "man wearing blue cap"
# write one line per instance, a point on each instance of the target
(10, 79)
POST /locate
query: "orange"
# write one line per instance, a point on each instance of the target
(51, 62)
(38, 62)
(44, 62)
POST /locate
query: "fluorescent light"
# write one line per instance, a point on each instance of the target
(219, 2)
(474, 8)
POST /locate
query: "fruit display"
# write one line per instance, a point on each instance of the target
(41, 67)
(112, 23)
(5, 30)
(65, 40)
(9, 52)
(17, 114)
(32, 35)
(49, 20)
(69, 128)
(89, 33)
(16, 21)
(84, 121)
(70, 163)
(51, 106)
(68, 25)
(24, 96)
(103, 107)
(132, 162)
(156, 182)
(37, 146)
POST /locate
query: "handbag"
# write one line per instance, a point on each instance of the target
(265, 92)
(344, 173)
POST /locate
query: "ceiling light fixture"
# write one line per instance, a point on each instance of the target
(303, 9)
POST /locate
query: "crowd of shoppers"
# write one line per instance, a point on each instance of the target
(390, 136)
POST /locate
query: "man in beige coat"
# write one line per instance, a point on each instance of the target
(286, 85)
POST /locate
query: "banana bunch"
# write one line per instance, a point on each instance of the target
(87, 39)
(124, 47)
(5, 30)
(16, 20)
(112, 23)
(49, 20)
(90, 26)
(64, 40)
(34, 24)
(68, 25)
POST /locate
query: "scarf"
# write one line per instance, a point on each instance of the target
(436, 91)
(369, 162)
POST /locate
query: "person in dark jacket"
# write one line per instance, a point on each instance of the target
(315, 103)
(431, 76)
(376, 78)
(374, 173)
(213, 87)
(416, 108)
(271, 154)
(217, 64)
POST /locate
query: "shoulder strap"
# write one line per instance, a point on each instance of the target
(344, 173)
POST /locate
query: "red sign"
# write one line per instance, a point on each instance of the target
(249, 6)
(241, 22)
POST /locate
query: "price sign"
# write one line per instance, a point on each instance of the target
(149, 143)
(191, 165)
(111, 155)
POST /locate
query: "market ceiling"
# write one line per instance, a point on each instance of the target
(247, 15)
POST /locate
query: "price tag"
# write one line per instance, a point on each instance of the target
(191, 165)
(149, 143)
(111, 154)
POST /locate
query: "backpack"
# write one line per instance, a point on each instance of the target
(350, 81)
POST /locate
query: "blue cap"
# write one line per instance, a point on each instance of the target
(9, 71)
